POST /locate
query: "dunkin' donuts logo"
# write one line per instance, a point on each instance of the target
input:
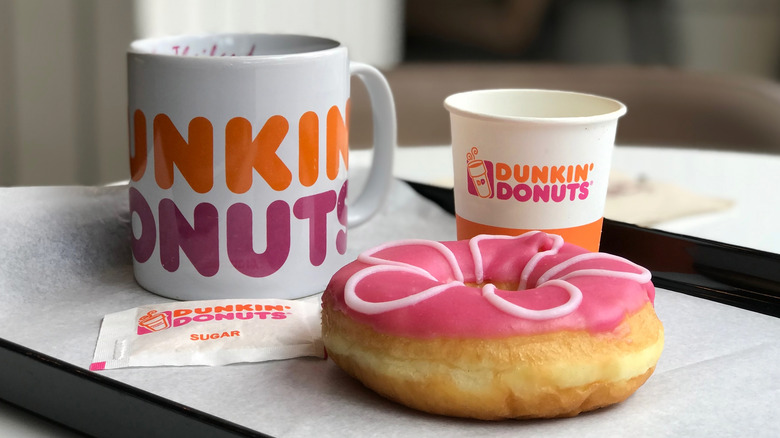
(154, 321)
(250, 159)
(527, 182)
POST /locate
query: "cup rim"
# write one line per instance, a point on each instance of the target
(309, 45)
(456, 104)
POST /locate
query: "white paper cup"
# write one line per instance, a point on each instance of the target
(532, 160)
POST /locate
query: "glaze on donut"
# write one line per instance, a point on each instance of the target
(494, 327)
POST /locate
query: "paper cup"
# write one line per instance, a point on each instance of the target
(532, 160)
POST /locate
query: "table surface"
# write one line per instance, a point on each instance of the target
(717, 376)
(749, 180)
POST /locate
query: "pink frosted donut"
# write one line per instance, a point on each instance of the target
(494, 327)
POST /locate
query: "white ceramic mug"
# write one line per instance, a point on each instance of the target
(238, 159)
(532, 160)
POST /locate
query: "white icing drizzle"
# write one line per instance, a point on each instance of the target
(378, 265)
(368, 258)
(575, 298)
(373, 308)
(531, 265)
(476, 254)
(643, 276)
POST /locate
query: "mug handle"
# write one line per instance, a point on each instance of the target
(381, 173)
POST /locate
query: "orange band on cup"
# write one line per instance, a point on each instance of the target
(587, 236)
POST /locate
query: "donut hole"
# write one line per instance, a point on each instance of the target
(502, 285)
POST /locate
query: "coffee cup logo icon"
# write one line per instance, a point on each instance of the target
(154, 321)
(478, 174)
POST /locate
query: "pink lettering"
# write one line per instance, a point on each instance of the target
(572, 190)
(181, 321)
(558, 193)
(522, 192)
(583, 190)
(315, 208)
(341, 212)
(503, 190)
(541, 193)
(142, 246)
(239, 239)
(197, 241)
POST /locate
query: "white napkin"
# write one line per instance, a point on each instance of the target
(645, 202)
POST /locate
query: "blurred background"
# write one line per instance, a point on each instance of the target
(63, 118)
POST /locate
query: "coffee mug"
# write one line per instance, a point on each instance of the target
(238, 161)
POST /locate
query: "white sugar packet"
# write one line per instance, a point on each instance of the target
(212, 332)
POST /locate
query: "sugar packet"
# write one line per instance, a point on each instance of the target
(211, 332)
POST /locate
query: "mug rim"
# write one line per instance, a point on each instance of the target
(462, 104)
(318, 46)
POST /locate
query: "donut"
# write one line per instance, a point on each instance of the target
(494, 327)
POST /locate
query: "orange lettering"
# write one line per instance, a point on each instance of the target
(539, 174)
(242, 154)
(226, 308)
(337, 142)
(581, 172)
(556, 174)
(503, 171)
(308, 148)
(194, 159)
(522, 173)
(138, 161)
